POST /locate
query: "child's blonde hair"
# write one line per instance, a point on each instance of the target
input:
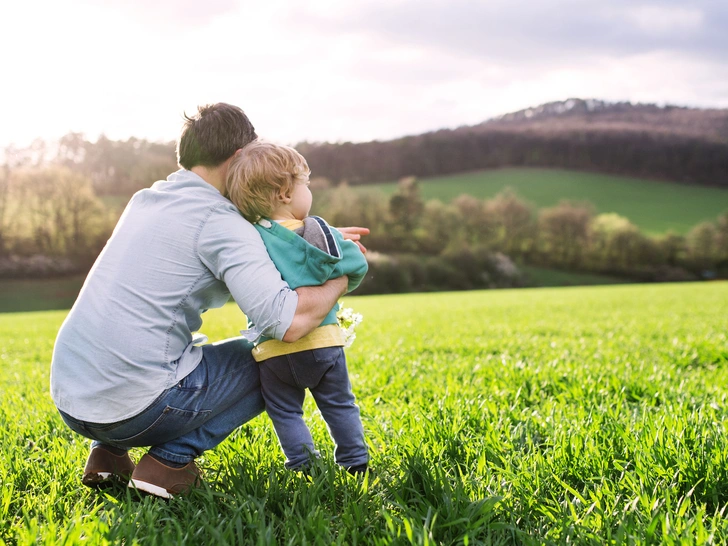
(259, 173)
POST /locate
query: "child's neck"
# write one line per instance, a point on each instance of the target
(280, 215)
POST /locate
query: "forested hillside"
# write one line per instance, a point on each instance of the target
(685, 145)
(55, 215)
(665, 143)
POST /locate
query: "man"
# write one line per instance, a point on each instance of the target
(125, 372)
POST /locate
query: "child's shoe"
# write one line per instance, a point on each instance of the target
(358, 470)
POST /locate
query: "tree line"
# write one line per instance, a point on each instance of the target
(53, 221)
(654, 155)
(112, 167)
(467, 236)
(677, 144)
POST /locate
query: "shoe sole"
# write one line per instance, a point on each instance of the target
(100, 479)
(150, 488)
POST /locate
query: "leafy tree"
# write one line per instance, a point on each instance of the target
(4, 207)
(672, 248)
(406, 205)
(473, 222)
(61, 214)
(616, 243)
(564, 232)
(439, 227)
(405, 211)
(702, 242)
(721, 241)
(344, 206)
(510, 224)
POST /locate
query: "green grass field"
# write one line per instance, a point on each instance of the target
(20, 295)
(656, 207)
(566, 415)
(541, 276)
(39, 294)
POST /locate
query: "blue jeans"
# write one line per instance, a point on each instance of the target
(195, 415)
(284, 380)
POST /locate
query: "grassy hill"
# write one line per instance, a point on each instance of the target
(577, 415)
(656, 207)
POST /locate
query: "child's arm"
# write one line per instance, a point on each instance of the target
(352, 262)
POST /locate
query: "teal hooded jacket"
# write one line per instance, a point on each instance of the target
(303, 264)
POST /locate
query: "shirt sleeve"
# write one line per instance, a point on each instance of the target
(233, 251)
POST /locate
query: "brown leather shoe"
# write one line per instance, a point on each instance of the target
(104, 468)
(163, 481)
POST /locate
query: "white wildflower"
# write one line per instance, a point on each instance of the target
(348, 321)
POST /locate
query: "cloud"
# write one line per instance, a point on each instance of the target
(665, 21)
(530, 32)
(358, 70)
(169, 13)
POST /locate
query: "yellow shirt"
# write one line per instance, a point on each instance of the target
(291, 224)
(323, 336)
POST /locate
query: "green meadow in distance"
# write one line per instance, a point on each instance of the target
(563, 415)
(39, 294)
(656, 207)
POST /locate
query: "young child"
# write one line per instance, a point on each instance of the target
(269, 184)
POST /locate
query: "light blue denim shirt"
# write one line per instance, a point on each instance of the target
(179, 248)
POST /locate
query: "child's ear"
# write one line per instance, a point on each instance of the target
(284, 196)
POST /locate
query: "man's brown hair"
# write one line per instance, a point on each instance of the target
(213, 135)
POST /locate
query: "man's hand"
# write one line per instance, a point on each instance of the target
(354, 234)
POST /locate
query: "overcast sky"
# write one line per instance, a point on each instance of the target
(344, 70)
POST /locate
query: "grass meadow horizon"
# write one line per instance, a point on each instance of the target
(585, 415)
(655, 206)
